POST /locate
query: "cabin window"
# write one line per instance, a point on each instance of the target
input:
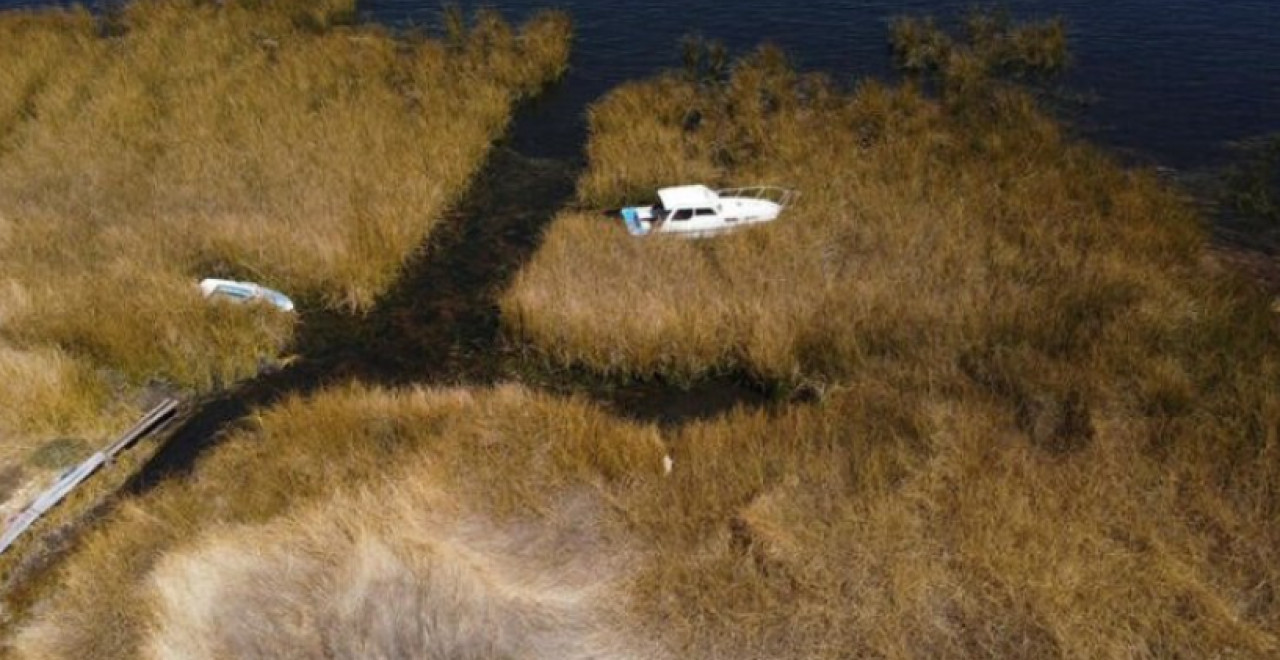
(682, 214)
(234, 292)
(702, 212)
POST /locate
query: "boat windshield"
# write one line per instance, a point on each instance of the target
(232, 291)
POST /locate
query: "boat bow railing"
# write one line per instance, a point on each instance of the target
(783, 197)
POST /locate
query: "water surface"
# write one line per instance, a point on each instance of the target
(1170, 80)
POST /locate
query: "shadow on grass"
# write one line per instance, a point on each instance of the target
(440, 325)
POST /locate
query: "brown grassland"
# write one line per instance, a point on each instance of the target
(180, 139)
(503, 523)
(1045, 424)
(449, 507)
(1082, 408)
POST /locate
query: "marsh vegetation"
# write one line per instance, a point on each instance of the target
(1016, 340)
(145, 148)
(1044, 423)
(1253, 184)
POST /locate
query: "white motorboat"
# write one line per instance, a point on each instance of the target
(243, 292)
(697, 211)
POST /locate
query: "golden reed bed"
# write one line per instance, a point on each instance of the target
(144, 149)
(1044, 424)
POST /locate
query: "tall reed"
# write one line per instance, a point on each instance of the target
(1046, 425)
(173, 140)
(1048, 422)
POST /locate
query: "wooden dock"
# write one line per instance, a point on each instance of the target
(151, 422)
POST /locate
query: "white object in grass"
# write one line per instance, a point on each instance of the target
(697, 211)
(242, 292)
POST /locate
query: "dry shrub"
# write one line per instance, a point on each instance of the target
(172, 140)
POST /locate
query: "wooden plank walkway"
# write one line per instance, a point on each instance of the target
(151, 422)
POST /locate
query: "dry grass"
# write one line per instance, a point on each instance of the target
(415, 512)
(926, 233)
(886, 524)
(395, 574)
(1049, 426)
(880, 522)
(270, 141)
(45, 392)
(991, 43)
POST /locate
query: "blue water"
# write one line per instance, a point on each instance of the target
(1169, 80)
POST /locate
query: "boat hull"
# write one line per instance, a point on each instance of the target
(733, 214)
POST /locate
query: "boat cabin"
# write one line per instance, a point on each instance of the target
(696, 210)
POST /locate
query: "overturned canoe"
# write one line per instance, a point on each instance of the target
(243, 292)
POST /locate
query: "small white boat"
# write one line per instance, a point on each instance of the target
(697, 211)
(243, 292)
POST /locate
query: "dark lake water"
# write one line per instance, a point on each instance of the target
(1168, 80)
